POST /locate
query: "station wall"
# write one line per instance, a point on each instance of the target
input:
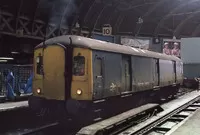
(190, 50)
(191, 70)
(190, 54)
(156, 47)
(146, 42)
(119, 39)
(104, 38)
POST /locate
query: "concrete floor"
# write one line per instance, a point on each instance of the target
(190, 127)
(13, 105)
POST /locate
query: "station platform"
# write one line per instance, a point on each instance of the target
(8, 106)
(190, 126)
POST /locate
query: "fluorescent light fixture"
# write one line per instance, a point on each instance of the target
(6, 58)
(3, 60)
(15, 52)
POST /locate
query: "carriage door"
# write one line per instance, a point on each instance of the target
(126, 73)
(157, 73)
(98, 77)
(54, 69)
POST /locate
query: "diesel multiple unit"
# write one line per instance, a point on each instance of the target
(75, 75)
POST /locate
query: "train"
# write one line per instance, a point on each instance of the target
(88, 80)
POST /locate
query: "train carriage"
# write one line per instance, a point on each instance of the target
(78, 75)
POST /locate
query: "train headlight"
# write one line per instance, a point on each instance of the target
(79, 91)
(38, 90)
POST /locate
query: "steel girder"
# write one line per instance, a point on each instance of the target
(24, 27)
(171, 13)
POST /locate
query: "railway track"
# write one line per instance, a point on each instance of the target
(173, 113)
(167, 122)
(55, 127)
(42, 129)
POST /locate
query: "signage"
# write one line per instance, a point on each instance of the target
(107, 31)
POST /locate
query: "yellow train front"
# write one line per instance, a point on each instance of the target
(61, 74)
(81, 77)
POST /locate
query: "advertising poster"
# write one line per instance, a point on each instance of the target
(172, 47)
(135, 42)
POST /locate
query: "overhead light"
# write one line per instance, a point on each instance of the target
(3, 60)
(15, 52)
(77, 25)
(6, 58)
(140, 20)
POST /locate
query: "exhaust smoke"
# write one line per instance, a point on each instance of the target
(57, 13)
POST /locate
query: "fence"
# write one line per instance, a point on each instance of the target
(21, 74)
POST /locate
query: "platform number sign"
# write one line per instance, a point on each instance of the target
(107, 31)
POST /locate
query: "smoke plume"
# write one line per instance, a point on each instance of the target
(57, 12)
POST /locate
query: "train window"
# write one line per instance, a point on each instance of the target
(79, 66)
(98, 64)
(39, 65)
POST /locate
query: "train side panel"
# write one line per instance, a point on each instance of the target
(106, 74)
(143, 73)
(167, 72)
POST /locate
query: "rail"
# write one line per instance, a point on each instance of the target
(39, 129)
(172, 122)
(173, 116)
(139, 126)
(35, 130)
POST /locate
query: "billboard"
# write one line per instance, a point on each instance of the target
(172, 47)
(142, 43)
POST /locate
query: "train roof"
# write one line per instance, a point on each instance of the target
(104, 46)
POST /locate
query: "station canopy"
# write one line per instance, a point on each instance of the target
(49, 18)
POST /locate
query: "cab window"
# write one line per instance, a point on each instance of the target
(39, 65)
(79, 66)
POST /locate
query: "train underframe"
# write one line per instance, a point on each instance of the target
(87, 112)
